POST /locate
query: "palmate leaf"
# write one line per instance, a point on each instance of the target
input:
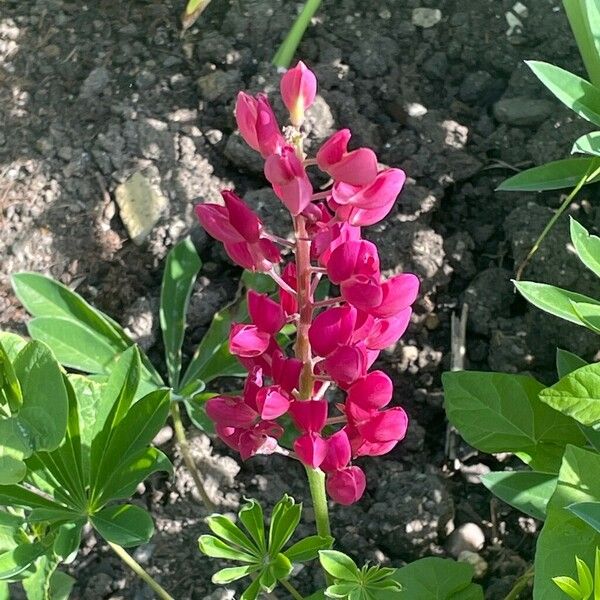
(11, 396)
(567, 362)
(227, 530)
(20, 558)
(586, 245)
(587, 144)
(125, 525)
(339, 565)
(183, 264)
(284, 521)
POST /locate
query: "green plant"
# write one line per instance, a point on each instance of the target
(582, 588)
(554, 430)
(70, 461)
(583, 98)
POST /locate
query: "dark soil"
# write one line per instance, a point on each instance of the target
(93, 92)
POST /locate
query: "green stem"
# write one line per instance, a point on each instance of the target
(188, 459)
(316, 482)
(590, 174)
(140, 572)
(291, 589)
(284, 55)
(520, 584)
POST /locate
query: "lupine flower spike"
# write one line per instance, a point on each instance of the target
(337, 340)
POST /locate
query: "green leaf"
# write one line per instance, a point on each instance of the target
(180, 274)
(584, 18)
(565, 535)
(124, 481)
(45, 297)
(577, 395)
(193, 10)
(527, 491)
(587, 144)
(589, 315)
(125, 525)
(196, 410)
(567, 362)
(212, 358)
(252, 591)
(267, 581)
(555, 175)
(340, 590)
(284, 520)
(16, 495)
(12, 343)
(216, 548)
(68, 539)
(339, 565)
(10, 389)
(41, 378)
(14, 448)
(251, 516)
(568, 586)
(230, 574)
(589, 512)
(74, 344)
(553, 300)
(135, 431)
(497, 412)
(17, 560)
(586, 583)
(573, 91)
(436, 579)
(226, 529)
(308, 548)
(281, 567)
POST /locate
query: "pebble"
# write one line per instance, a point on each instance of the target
(522, 111)
(426, 17)
(163, 436)
(467, 536)
(478, 563)
(94, 83)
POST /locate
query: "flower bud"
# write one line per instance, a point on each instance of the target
(298, 90)
(257, 124)
(265, 313)
(346, 486)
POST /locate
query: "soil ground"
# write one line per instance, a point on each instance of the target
(91, 92)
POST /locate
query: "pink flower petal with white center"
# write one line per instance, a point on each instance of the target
(272, 402)
(247, 340)
(372, 392)
(311, 449)
(347, 485)
(298, 90)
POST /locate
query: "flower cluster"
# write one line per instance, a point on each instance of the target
(337, 339)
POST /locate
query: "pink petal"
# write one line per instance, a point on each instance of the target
(385, 426)
(333, 149)
(298, 90)
(347, 485)
(346, 364)
(228, 411)
(358, 167)
(309, 415)
(286, 372)
(331, 328)
(245, 116)
(254, 382)
(338, 451)
(311, 449)
(381, 192)
(362, 291)
(241, 216)
(353, 258)
(215, 221)
(399, 293)
(247, 340)
(287, 301)
(268, 133)
(265, 313)
(386, 332)
(271, 402)
(372, 392)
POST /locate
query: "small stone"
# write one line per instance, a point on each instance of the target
(522, 111)
(478, 563)
(475, 86)
(426, 17)
(141, 206)
(432, 321)
(218, 84)
(163, 436)
(436, 65)
(467, 536)
(95, 83)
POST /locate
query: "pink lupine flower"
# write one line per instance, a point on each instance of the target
(265, 313)
(309, 416)
(338, 339)
(240, 230)
(298, 90)
(311, 449)
(332, 328)
(339, 452)
(346, 486)
(358, 167)
(272, 402)
(258, 125)
(248, 340)
(289, 180)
